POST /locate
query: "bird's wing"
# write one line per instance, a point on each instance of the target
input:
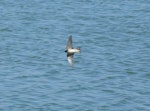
(70, 59)
(69, 43)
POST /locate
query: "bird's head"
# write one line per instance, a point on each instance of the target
(66, 50)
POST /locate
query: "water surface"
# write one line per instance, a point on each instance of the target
(111, 73)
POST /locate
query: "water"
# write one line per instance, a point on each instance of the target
(111, 73)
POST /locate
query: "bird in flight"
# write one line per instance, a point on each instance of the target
(70, 51)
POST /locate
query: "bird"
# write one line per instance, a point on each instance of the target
(70, 51)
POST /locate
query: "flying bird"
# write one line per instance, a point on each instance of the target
(70, 51)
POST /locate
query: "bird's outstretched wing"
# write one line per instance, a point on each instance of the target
(69, 43)
(70, 59)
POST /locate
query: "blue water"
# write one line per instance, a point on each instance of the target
(112, 72)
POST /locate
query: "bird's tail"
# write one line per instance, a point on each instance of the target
(79, 49)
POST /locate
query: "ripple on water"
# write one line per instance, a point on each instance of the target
(111, 72)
